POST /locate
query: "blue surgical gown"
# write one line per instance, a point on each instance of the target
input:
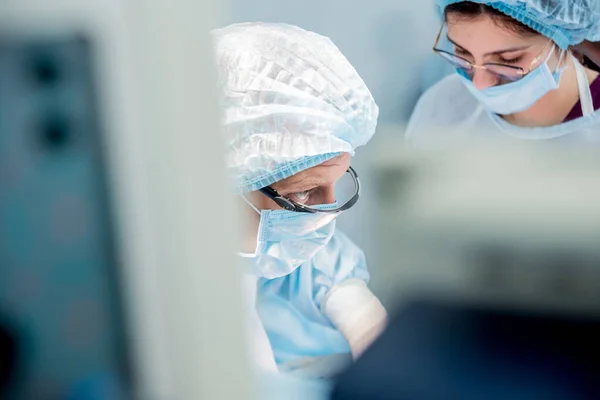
(290, 307)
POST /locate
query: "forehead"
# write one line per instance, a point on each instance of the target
(483, 32)
(324, 174)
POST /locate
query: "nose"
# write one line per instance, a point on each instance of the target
(483, 79)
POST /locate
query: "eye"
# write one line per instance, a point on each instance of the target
(511, 61)
(302, 197)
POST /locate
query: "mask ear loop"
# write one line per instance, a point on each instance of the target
(562, 59)
(250, 204)
(585, 95)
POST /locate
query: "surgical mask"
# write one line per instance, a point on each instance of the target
(586, 126)
(520, 95)
(287, 239)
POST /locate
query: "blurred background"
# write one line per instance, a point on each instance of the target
(107, 251)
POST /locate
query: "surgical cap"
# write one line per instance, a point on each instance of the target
(566, 22)
(290, 100)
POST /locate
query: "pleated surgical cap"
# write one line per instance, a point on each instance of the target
(290, 100)
(566, 22)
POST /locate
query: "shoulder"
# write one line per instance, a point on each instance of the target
(446, 105)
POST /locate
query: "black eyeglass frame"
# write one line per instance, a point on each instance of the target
(291, 205)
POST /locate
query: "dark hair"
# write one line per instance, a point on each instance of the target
(469, 10)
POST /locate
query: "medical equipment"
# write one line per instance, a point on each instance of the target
(59, 290)
(347, 193)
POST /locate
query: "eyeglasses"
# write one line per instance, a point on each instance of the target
(505, 73)
(347, 189)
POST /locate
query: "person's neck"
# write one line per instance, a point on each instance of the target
(554, 107)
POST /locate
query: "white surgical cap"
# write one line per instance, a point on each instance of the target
(566, 22)
(290, 100)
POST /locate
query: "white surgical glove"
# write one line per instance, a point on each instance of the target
(356, 312)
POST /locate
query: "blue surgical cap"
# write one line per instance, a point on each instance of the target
(290, 100)
(566, 22)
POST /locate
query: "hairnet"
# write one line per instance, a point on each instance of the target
(290, 99)
(566, 22)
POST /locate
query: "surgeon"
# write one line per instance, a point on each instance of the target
(519, 74)
(295, 110)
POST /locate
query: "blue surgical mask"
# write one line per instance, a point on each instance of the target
(520, 95)
(287, 239)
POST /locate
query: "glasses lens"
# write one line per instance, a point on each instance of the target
(456, 61)
(506, 73)
(345, 189)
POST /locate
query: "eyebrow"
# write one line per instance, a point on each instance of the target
(492, 53)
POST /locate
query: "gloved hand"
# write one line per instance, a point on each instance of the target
(357, 313)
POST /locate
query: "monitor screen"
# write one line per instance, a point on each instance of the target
(62, 334)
